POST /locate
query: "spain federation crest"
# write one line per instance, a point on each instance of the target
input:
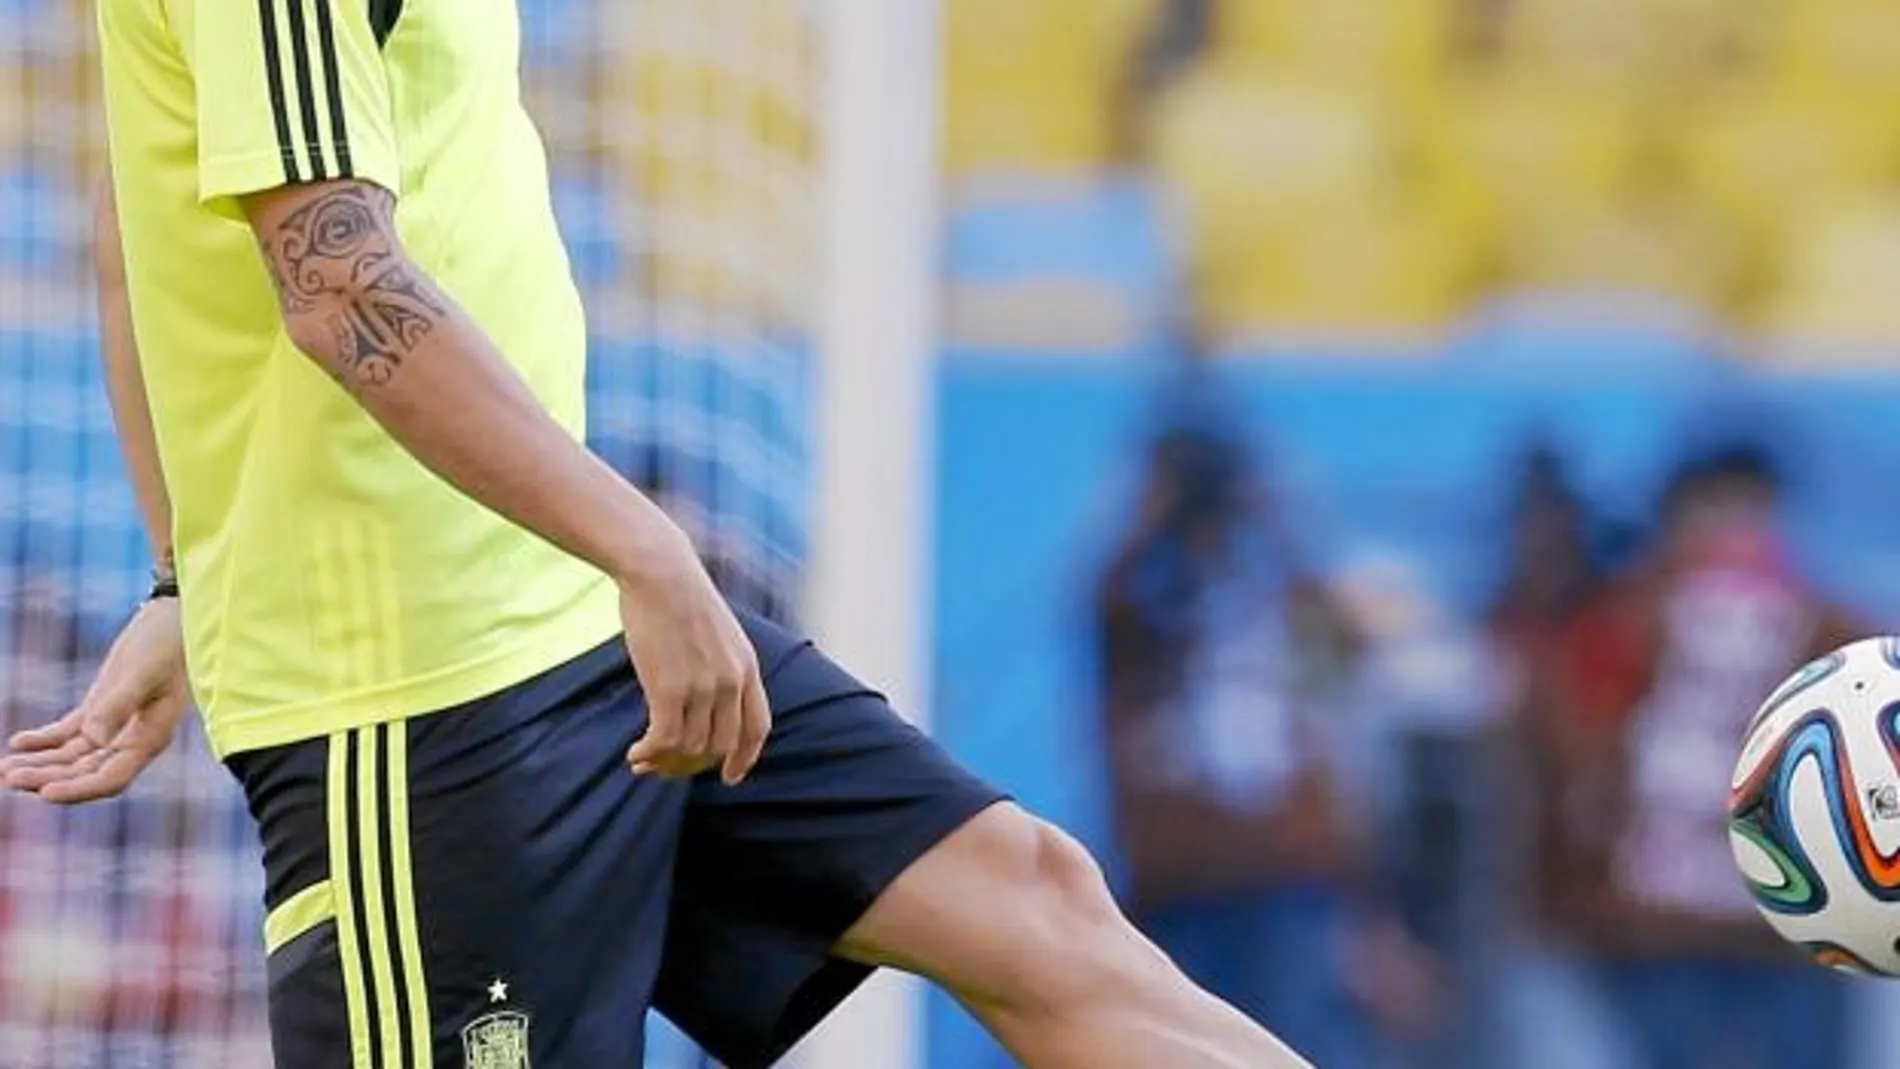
(497, 1041)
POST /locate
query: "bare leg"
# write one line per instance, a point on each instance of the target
(1013, 918)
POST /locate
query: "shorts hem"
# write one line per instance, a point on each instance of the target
(821, 993)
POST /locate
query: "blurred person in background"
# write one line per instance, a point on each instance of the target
(1552, 1016)
(1659, 677)
(1553, 577)
(1218, 658)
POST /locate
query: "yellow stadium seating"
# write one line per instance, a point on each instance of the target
(1655, 243)
(687, 111)
(708, 142)
(1838, 271)
(1033, 86)
(1520, 150)
(1030, 122)
(1602, 43)
(55, 114)
(714, 77)
(1756, 158)
(1384, 268)
(1242, 151)
(1645, 50)
(1396, 45)
(1847, 47)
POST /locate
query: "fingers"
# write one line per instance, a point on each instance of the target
(696, 724)
(728, 726)
(679, 744)
(711, 723)
(81, 770)
(50, 737)
(58, 743)
(701, 677)
(64, 754)
(79, 760)
(107, 777)
(82, 773)
(755, 725)
(662, 736)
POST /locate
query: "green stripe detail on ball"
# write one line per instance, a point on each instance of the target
(1794, 890)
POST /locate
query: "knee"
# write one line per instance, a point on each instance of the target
(1064, 882)
(1072, 942)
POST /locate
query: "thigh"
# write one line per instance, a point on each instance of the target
(772, 873)
(485, 886)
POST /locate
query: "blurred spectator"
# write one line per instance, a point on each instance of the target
(1218, 659)
(1550, 1015)
(1657, 678)
(1552, 577)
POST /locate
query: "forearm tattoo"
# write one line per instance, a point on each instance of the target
(337, 257)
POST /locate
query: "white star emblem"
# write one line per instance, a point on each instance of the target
(498, 991)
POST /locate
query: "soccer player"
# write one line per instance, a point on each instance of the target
(518, 770)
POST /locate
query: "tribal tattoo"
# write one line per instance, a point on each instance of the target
(338, 256)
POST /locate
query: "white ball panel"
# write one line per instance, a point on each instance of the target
(1755, 862)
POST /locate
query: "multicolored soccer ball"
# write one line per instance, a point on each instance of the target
(1814, 808)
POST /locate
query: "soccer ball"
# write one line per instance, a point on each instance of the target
(1814, 808)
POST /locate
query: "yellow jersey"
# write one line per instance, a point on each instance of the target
(330, 581)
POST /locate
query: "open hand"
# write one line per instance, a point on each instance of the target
(706, 703)
(124, 722)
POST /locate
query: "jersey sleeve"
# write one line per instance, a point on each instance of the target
(289, 91)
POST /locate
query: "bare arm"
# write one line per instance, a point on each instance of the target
(125, 382)
(356, 304)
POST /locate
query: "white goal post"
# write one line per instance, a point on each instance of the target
(869, 593)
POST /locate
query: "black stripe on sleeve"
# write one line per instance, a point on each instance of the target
(383, 15)
(353, 834)
(306, 90)
(399, 969)
(333, 89)
(274, 81)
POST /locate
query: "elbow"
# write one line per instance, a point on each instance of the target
(321, 332)
(338, 334)
(310, 330)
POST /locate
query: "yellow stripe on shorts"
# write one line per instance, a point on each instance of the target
(380, 938)
(378, 935)
(343, 877)
(408, 935)
(297, 915)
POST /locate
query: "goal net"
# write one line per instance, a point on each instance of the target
(684, 146)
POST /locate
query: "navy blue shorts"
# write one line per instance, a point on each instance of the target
(490, 887)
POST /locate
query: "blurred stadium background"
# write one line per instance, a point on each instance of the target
(1376, 452)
